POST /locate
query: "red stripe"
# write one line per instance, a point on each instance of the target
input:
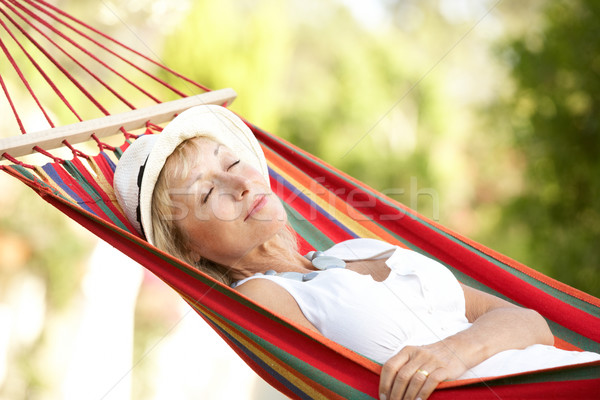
(105, 168)
(559, 390)
(75, 186)
(320, 221)
(342, 364)
(321, 353)
(445, 249)
(303, 245)
(103, 195)
(281, 363)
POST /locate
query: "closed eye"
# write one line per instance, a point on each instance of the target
(205, 199)
(233, 165)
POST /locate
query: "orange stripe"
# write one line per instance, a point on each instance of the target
(553, 283)
(562, 344)
(569, 290)
(491, 379)
(299, 380)
(328, 197)
(54, 186)
(105, 186)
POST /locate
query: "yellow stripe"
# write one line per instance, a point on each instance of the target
(104, 184)
(54, 185)
(342, 217)
(274, 363)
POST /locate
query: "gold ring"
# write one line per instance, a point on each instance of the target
(422, 371)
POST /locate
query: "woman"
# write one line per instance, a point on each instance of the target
(200, 191)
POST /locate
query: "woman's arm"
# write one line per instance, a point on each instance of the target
(275, 298)
(497, 325)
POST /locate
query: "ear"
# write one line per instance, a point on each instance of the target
(194, 256)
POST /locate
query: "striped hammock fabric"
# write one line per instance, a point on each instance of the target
(324, 205)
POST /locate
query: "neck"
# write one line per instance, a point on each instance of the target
(270, 255)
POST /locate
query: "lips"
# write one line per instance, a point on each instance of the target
(258, 204)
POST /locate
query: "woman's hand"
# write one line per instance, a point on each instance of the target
(416, 371)
(497, 325)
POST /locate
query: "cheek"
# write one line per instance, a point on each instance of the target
(278, 209)
(222, 210)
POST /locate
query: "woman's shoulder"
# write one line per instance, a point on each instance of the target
(253, 287)
(264, 292)
(275, 298)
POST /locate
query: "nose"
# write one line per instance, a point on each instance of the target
(239, 185)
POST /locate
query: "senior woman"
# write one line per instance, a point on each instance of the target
(200, 191)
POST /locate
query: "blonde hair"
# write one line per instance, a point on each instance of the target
(169, 237)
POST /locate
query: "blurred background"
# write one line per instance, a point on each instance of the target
(482, 115)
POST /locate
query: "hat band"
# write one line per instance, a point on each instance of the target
(138, 210)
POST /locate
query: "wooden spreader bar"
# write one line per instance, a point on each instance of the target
(110, 125)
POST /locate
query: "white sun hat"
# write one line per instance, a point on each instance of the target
(141, 163)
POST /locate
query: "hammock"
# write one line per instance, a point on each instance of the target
(324, 205)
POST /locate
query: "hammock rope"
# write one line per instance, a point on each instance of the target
(11, 104)
(32, 14)
(324, 205)
(37, 66)
(82, 48)
(72, 58)
(25, 83)
(120, 44)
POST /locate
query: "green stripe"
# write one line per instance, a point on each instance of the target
(582, 305)
(556, 293)
(25, 172)
(559, 330)
(307, 230)
(90, 190)
(572, 337)
(37, 182)
(315, 374)
(560, 375)
(194, 274)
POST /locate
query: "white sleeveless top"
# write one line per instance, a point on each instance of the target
(419, 303)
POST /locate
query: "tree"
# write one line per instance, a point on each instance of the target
(552, 117)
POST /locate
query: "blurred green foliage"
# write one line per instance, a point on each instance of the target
(311, 73)
(552, 120)
(397, 107)
(53, 251)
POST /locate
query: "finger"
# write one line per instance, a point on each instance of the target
(417, 381)
(389, 372)
(403, 378)
(431, 383)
